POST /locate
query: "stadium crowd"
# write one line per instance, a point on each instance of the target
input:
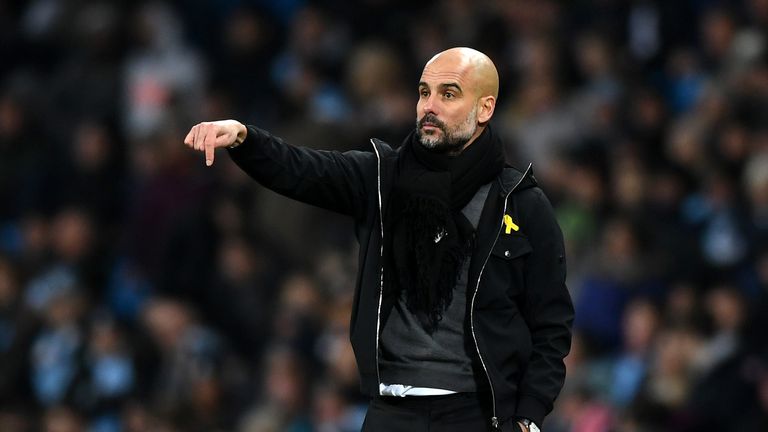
(142, 291)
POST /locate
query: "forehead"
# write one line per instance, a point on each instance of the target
(439, 72)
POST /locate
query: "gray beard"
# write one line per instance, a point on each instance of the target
(451, 141)
(447, 144)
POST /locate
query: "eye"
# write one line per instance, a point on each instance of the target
(449, 95)
(423, 93)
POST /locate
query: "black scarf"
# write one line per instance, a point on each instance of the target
(428, 237)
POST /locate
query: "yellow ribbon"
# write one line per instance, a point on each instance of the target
(509, 225)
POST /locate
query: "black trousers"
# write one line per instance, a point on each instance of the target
(460, 412)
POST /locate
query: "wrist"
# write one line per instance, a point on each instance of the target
(527, 425)
(241, 132)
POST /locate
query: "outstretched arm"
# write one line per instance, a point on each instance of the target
(329, 179)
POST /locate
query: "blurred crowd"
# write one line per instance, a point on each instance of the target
(141, 291)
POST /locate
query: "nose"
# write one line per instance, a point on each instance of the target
(428, 105)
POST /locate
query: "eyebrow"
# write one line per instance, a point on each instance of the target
(444, 86)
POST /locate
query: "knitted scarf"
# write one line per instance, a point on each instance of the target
(428, 237)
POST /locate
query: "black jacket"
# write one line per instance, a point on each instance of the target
(520, 309)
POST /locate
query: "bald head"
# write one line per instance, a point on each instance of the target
(475, 67)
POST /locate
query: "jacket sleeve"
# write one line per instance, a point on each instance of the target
(328, 179)
(548, 312)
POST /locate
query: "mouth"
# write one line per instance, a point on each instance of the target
(429, 126)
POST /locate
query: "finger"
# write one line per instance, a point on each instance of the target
(193, 136)
(210, 145)
(208, 155)
(205, 130)
(198, 127)
(189, 139)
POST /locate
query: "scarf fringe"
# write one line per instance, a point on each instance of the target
(436, 258)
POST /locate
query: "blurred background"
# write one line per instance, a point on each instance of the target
(141, 291)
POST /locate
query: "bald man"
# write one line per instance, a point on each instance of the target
(461, 316)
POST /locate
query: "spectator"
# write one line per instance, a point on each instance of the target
(58, 346)
(188, 380)
(17, 327)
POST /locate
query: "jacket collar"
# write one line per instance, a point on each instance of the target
(513, 179)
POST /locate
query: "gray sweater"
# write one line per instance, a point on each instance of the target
(444, 359)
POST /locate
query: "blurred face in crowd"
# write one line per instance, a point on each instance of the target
(639, 326)
(457, 96)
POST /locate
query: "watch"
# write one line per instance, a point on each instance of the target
(530, 425)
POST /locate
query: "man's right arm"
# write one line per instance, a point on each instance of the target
(327, 179)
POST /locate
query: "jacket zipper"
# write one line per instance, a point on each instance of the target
(381, 260)
(494, 419)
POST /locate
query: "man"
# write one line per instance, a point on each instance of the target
(461, 316)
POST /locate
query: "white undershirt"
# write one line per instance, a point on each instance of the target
(405, 390)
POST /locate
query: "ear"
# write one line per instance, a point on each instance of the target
(485, 110)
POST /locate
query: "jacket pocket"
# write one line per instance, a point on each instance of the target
(510, 256)
(509, 247)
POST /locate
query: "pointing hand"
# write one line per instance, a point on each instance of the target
(208, 136)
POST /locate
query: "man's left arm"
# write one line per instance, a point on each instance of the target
(548, 309)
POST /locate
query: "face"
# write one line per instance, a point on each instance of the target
(447, 111)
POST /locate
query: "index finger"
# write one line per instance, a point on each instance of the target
(210, 145)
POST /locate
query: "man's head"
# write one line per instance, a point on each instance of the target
(457, 96)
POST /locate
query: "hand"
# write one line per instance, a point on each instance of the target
(208, 136)
(523, 427)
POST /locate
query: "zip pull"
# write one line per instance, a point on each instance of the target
(495, 422)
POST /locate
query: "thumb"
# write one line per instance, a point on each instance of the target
(225, 140)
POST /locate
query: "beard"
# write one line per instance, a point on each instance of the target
(452, 140)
